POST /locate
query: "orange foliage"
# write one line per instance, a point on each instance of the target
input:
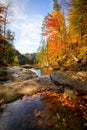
(54, 29)
(54, 22)
(3, 38)
(55, 45)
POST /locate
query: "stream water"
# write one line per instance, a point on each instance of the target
(41, 72)
(40, 112)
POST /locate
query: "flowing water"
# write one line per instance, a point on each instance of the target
(41, 72)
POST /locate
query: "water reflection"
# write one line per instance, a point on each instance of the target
(42, 111)
(19, 115)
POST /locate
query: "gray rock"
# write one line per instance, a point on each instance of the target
(64, 80)
(60, 79)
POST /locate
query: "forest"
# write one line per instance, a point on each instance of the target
(64, 35)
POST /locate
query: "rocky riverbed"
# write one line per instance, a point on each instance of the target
(16, 82)
(60, 98)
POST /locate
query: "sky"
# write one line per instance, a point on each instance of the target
(26, 22)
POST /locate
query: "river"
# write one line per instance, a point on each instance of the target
(40, 112)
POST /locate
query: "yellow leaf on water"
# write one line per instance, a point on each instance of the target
(37, 114)
(40, 122)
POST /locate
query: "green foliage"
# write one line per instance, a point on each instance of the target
(10, 53)
(12, 56)
(41, 55)
(30, 58)
(10, 36)
(16, 61)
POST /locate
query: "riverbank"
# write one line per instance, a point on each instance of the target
(17, 82)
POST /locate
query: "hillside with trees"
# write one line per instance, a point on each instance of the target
(8, 53)
(64, 35)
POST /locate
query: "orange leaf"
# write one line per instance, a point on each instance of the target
(37, 114)
(40, 122)
(49, 123)
(34, 95)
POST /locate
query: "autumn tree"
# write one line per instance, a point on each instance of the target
(2, 7)
(5, 12)
(78, 18)
(1, 32)
(53, 29)
(66, 31)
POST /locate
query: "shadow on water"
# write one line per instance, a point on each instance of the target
(42, 111)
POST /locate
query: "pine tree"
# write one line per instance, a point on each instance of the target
(55, 5)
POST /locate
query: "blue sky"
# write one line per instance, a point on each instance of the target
(26, 23)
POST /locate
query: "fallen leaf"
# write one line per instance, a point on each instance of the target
(34, 95)
(40, 122)
(1, 101)
(84, 97)
(49, 123)
(37, 114)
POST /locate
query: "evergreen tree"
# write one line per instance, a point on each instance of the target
(55, 5)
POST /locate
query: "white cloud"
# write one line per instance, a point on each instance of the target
(28, 33)
(27, 46)
(27, 28)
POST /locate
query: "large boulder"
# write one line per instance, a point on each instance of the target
(62, 79)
